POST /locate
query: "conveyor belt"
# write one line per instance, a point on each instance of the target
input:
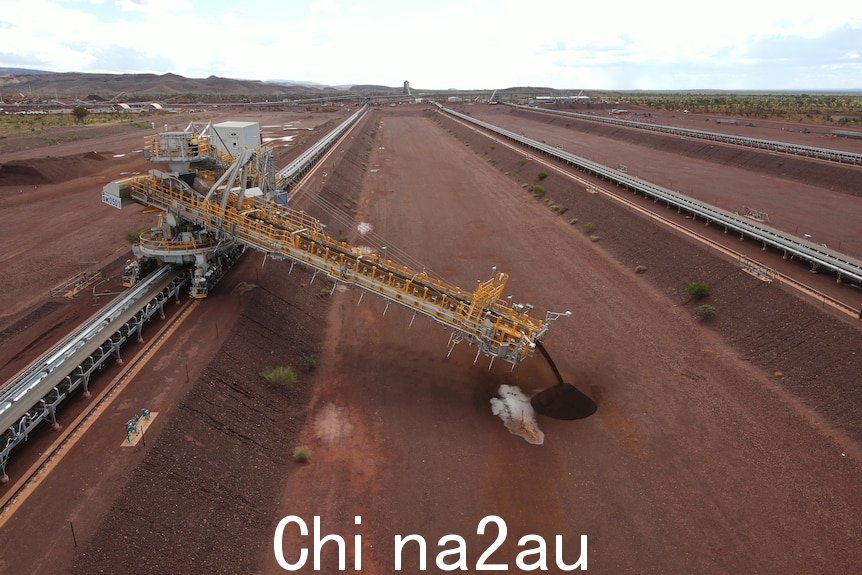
(35, 392)
(773, 145)
(820, 257)
(291, 174)
(499, 329)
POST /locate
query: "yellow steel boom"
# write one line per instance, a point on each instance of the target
(480, 317)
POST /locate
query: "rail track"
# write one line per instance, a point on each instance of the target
(293, 172)
(820, 257)
(772, 145)
(34, 394)
(35, 474)
(745, 261)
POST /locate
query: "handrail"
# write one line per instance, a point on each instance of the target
(290, 174)
(34, 393)
(774, 145)
(499, 330)
(835, 262)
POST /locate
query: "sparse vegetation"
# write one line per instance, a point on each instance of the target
(640, 269)
(839, 109)
(309, 361)
(589, 228)
(704, 312)
(302, 454)
(19, 124)
(542, 176)
(538, 191)
(133, 237)
(698, 290)
(281, 376)
(521, 163)
(80, 112)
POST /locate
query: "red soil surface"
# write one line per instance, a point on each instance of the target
(697, 461)
(805, 134)
(51, 210)
(801, 196)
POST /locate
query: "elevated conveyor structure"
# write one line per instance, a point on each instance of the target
(291, 174)
(831, 155)
(34, 394)
(819, 257)
(499, 330)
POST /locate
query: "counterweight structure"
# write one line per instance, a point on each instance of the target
(217, 201)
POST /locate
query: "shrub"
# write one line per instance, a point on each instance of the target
(640, 269)
(309, 361)
(698, 290)
(538, 191)
(80, 112)
(282, 376)
(302, 454)
(133, 237)
(542, 175)
(589, 228)
(704, 312)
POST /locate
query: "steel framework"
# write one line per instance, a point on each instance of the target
(842, 265)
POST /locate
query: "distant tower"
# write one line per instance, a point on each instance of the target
(406, 89)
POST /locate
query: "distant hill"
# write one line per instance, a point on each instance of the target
(530, 89)
(23, 71)
(302, 83)
(20, 84)
(148, 86)
(374, 89)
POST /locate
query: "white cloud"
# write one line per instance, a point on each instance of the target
(440, 44)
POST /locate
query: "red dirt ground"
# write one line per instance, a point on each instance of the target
(826, 204)
(696, 461)
(806, 134)
(50, 208)
(64, 228)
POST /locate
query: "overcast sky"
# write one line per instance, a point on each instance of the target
(650, 44)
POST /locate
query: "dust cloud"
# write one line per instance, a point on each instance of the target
(514, 408)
